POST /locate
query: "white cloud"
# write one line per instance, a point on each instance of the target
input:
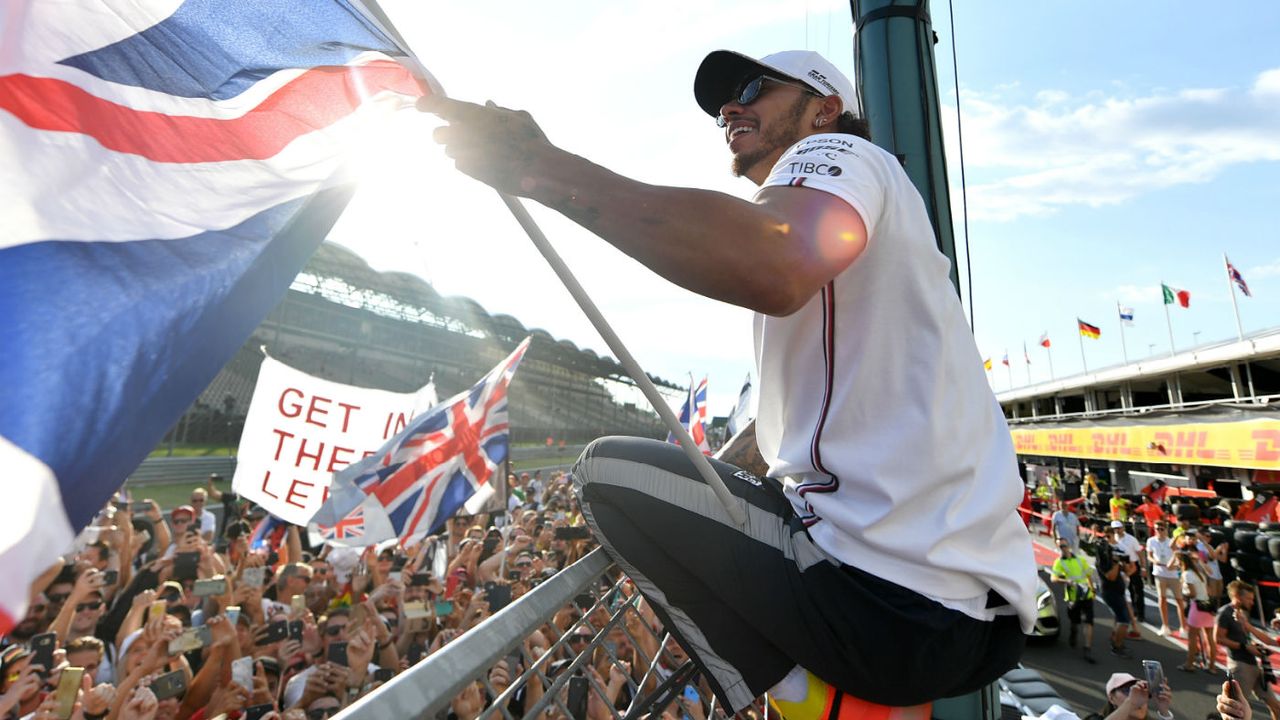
(1059, 151)
(1264, 271)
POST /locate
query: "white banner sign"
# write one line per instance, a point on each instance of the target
(301, 429)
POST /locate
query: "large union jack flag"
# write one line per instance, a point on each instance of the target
(423, 475)
(169, 166)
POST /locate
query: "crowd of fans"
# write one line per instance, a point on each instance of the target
(176, 617)
(1119, 547)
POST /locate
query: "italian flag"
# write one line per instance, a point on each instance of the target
(1172, 295)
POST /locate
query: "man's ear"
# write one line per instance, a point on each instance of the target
(829, 110)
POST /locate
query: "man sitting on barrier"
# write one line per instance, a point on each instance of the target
(882, 555)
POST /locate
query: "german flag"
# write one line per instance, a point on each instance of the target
(1087, 330)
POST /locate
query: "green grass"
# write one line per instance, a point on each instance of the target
(169, 495)
(193, 451)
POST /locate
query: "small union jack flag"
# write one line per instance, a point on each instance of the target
(693, 416)
(423, 475)
(1235, 275)
(348, 528)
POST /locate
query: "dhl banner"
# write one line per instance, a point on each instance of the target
(1245, 444)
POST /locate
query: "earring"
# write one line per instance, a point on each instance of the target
(820, 122)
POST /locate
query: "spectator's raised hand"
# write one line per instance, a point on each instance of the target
(467, 704)
(618, 673)
(89, 581)
(1231, 705)
(500, 676)
(97, 701)
(360, 649)
(261, 687)
(142, 705)
(143, 599)
(221, 630)
(1136, 701)
(227, 699)
(290, 653)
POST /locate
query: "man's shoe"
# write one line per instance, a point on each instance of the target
(1135, 634)
(1164, 631)
(1088, 657)
(1071, 636)
(1120, 652)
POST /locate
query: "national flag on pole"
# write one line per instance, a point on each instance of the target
(1087, 330)
(693, 416)
(1026, 356)
(1126, 316)
(1044, 340)
(1005, 361)
(741, 413)
(1236, 277)
(423, 475)
(986, 364)
(170, 165)
(1174, 295)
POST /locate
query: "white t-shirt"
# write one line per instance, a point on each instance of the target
(208, 523)
(1130, 545)
(874, 409)
(1209, 561)
(1159, 553)
(1195, 587)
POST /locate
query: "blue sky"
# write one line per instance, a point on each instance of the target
(1107, 146)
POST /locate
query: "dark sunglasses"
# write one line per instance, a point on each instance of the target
(58, 597)
(334, 630)
(576, 639)
(321, 713)
(91, 605)
(171, 597)
(750, 92)
(524, 564)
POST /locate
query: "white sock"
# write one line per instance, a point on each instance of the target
(793, 688)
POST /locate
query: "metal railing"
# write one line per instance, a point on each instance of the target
(426, 689)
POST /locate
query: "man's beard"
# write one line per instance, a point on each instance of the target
(782, 135)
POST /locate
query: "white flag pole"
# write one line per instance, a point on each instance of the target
(1124, 350)
(1049, 351)
(1080, 337)
(1167, 321)
(1026, 357)
(625, 359)
(1231, 287)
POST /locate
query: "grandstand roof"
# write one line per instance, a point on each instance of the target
(334, 261)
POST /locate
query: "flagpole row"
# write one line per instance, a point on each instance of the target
(1167, 320)
(624, 357)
